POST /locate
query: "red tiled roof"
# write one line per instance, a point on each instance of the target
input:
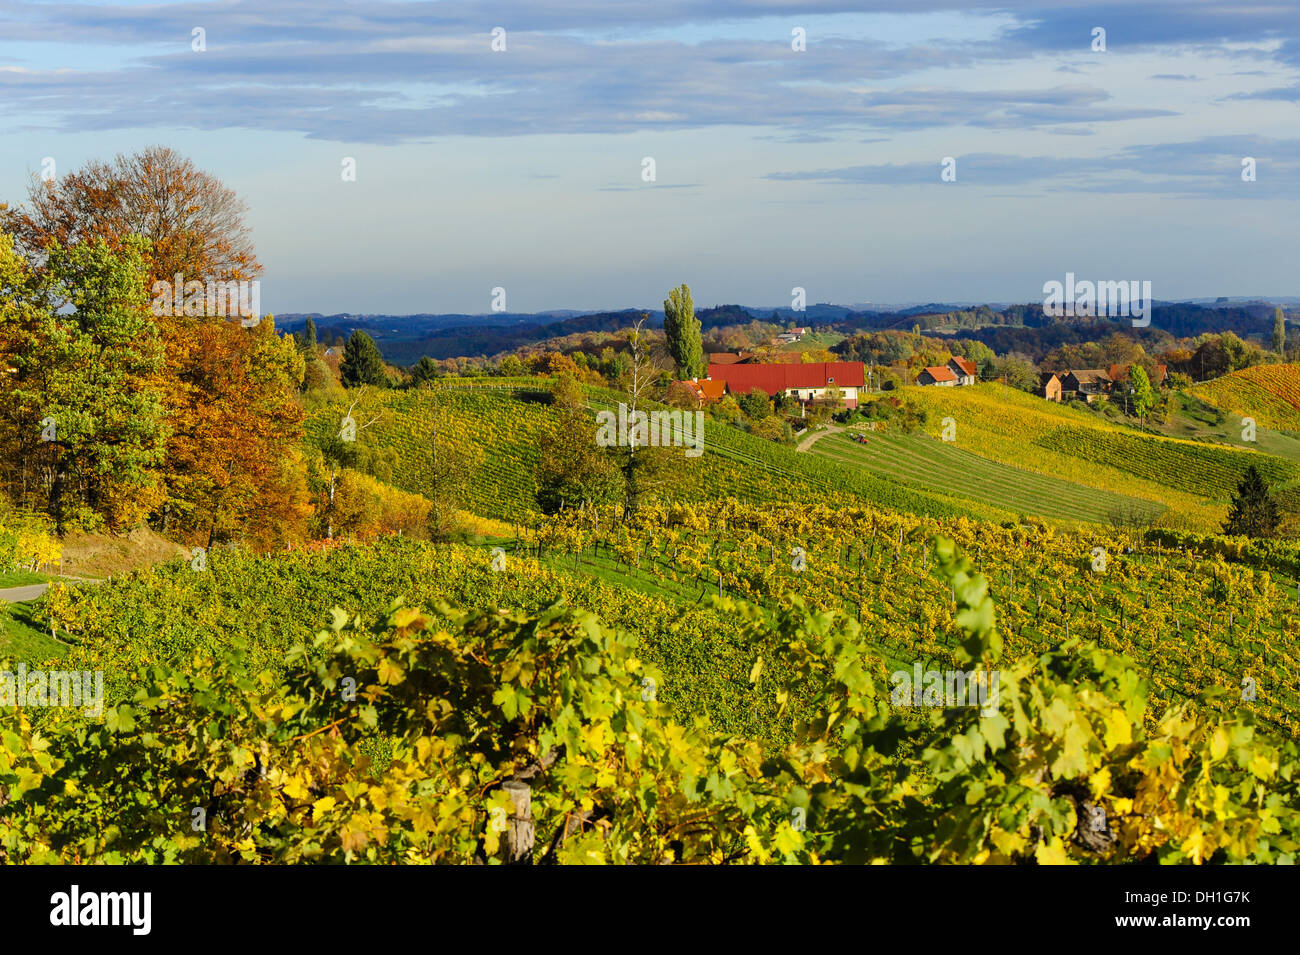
(940, 373)
(728, 358)
(774, 379)
(712, 389)
(703, 389)
(966, 366)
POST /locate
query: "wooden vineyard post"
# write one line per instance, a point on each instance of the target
(520, 832)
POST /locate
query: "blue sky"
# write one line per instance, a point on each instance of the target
(774, 168)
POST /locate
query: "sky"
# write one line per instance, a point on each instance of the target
(505, 145)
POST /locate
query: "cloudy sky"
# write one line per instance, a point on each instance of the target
(774, 167)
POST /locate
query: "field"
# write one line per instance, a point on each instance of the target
(926, 462)
(735, 667)
(1268, 393)
(1191, 620)
(501, 425)
(1074, 445)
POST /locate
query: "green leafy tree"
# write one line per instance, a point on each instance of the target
(1018, 371)
(1279, 331)
(756, 404)
(682, 331)
(1253, 512)
(362, 363)
(81, 404)
(1144, 396)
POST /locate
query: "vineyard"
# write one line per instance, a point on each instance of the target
(1193, 621)
(1200, 469)
(267, 604)
(501, 425)
(921, 461)
(1268, 393)
(410, 735)
(1071, 444)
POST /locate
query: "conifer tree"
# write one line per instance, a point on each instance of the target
(682, 331)
(362, 364)
(1253, 512)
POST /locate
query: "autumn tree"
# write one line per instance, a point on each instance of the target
(236, 427)
(229, 393)
(194, 224)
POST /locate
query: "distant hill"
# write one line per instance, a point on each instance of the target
(404, 339)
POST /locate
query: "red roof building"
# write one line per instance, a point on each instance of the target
(807, 382)
(938, 375)
(965, 365)
(705, 390)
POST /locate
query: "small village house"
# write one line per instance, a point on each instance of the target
(958, 372)
(964, 369)
(1049, 386)
(1085, 383)
(940, 375)
(705, 391)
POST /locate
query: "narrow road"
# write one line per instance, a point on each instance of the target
(812, 439)
(21, 594)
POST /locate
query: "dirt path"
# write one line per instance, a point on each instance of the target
(22, 594)
(812, 439)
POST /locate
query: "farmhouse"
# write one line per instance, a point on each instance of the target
(1049, 386)
(964, 369)
(807, 382)
(1085, 383)
(752, 358)
(940, 375)
(959, 371)
(729, 358)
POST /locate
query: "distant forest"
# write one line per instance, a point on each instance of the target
(1023, 329)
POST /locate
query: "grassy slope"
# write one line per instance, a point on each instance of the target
(23, 635)
(1268, 393)
(928, 463)
(1025, 431)
(502, 427)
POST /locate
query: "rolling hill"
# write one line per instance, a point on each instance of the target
(1268, 393)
